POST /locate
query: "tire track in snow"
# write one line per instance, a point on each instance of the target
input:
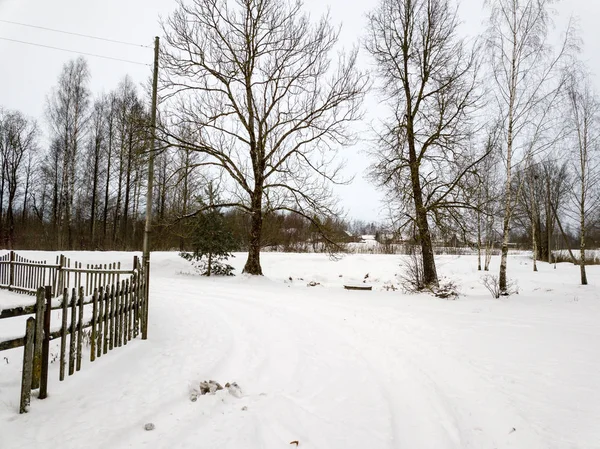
(296, 408)
(462, 408)
(413, 428)
(458, 411)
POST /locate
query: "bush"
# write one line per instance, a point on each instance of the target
(412, 277)
(412, 274)
(446, 290)
(492, 283)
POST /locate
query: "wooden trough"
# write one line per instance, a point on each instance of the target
(358, 287)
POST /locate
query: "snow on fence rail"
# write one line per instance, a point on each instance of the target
(110, 302)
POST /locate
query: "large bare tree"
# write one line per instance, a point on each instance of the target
(526, 73)
(256, 83)
(429, 76)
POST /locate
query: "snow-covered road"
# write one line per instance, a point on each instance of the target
(331, 368)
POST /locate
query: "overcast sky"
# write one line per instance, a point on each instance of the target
(27, 73)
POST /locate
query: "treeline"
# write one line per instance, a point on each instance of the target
(83, 186)
(80, 185)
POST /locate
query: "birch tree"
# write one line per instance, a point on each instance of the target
(256, 81)
(525, 72)
(584, 118)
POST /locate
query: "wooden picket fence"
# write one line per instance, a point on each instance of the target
(22, 275)
(25, 276)
(110, 302)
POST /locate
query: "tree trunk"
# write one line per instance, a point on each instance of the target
(549, 224)
(64, 201)
(489, 246)
(126, 243)
(2, 200)
(534, 244)
(94, 194)
(136, 206)
(107, 186)
(478, 240)
(549, 233)
(533, 223)
(582, 228)
(26, 194)
(253, 263)
(185, 194)
(503, 281)
(55, 201)
(10, 218)
(429, 272)
(208, 269)
(582, 253)
(118, 205)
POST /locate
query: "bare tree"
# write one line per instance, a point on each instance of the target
(486, 196)
(111, 131)
(96, 149)
(67, 113)
(531, 176)
(584, 117)
(255, 80)
(430, 81)
(525, 73)
(18, 138)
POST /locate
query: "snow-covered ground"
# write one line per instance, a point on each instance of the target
(332, 368)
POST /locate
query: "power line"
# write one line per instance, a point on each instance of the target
(74, 51)
(75, 34)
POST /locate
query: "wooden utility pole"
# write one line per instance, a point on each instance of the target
(148, 227)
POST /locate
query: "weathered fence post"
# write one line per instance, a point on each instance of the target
(106, 317)
(46, 344)
(63, 333)
(27, 366)
(61, 273)
(94, 334)
(39, 338)
(135, 281)
(145, 296)
(11, 269)
(72, 331)
(80, 328)
(100, 319)
(111, 341)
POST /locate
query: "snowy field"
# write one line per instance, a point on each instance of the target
(331, 368)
